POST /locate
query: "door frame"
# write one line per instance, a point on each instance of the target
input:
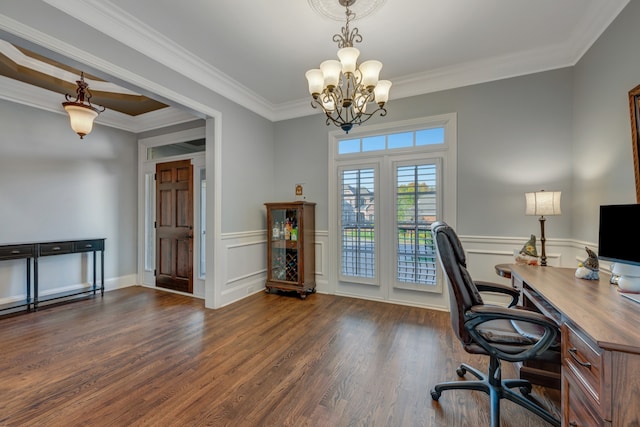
(146, 166)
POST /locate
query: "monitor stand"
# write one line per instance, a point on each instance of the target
(626, 276)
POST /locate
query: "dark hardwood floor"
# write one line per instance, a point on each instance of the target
(140, 357)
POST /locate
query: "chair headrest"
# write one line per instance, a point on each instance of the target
(442, 228)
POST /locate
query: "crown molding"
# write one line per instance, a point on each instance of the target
(591, 28)
(26, 33)
(111, 20)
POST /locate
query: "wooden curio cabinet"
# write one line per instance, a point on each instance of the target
(291, 258)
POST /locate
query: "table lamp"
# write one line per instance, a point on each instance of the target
(543, 203)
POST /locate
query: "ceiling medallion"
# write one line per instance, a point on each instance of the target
(334, 9)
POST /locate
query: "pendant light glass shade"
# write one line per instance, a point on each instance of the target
(81, 118)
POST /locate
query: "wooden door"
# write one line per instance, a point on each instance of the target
(174, 225)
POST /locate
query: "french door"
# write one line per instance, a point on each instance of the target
(386, 189)
(386, 211)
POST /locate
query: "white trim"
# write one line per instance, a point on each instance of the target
(173, 138)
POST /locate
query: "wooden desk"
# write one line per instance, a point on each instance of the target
(600, 343)
(503, 270)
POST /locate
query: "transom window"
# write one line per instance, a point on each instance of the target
(392, 141)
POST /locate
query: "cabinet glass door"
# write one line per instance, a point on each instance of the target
(284, 245)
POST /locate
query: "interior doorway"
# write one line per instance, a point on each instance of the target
(174, 226)
(168, 264)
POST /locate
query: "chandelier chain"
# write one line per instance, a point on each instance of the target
(348, 37)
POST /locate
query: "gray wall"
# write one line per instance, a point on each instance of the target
(247, 169)
(514, 136)
(603, 165)
(54, 186)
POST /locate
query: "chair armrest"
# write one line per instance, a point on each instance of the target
(499, 288)
(480, 314)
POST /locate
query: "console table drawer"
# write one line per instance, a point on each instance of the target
(583, 359)
(56, 248)
(88, 245)
(17, 251)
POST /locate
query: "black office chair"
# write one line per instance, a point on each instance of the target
(503, 333)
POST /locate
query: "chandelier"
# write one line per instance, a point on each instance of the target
(342, 89)
(81, 114)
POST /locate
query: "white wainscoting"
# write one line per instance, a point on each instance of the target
(244, 259)
(484, 252)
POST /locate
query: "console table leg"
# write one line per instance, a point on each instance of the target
(94, 273)
(35, 283)
(28, 284)
(102, 272)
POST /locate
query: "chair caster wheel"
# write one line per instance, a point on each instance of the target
(461, 371)
(435, 395)
(525, 390)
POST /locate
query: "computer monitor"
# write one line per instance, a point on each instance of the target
(619, 236)
(619, 242)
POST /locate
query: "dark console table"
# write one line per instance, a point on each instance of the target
(33, 251)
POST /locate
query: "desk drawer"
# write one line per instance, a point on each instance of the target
(578, 409)
(56, 248)
(88, 245)
(583, 359)
(17, 251)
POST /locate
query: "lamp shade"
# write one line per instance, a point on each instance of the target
(315, 80)
(348, 58)
(382, 91)
(81, 117)
(331, 71)
(370, 72)
(543, 203)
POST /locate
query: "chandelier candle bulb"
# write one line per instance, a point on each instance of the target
(328, 104)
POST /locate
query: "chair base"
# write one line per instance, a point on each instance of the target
(497, 389)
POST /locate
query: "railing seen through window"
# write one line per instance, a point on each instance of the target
(357, 222)
(416, 207)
